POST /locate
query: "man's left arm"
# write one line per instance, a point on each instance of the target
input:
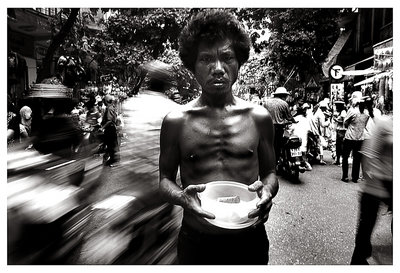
(267, 187)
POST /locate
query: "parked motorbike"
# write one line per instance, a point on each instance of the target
(291, 160)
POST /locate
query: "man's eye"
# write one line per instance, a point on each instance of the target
(229, 58)
(205, 58)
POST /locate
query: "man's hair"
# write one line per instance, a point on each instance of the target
(211, 26)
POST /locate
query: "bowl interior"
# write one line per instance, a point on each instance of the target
(234, 214)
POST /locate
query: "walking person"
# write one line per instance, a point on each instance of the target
(318, 122)
(217, 136)
(355, 121)
(339, 115)
(377, 160)
(109, 125)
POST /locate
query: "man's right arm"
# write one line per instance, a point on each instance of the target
(169, 158)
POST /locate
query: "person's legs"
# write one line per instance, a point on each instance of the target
(355, 170)
(312, 147)
(369, 206)
(110, 139)
(278, 141)
(339, 145)
(345, 162)
(321, 151)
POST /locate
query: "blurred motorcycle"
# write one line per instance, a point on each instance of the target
(291, 160)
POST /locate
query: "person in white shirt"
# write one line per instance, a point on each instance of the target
(317, 122)
(301, 129)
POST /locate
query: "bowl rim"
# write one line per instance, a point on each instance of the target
(231, 183)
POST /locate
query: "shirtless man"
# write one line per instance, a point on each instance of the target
(217, 137)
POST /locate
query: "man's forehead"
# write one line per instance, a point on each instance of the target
(224, 45)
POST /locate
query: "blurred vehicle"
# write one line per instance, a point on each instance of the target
(291, 160)
(48, 205)
(133, 227)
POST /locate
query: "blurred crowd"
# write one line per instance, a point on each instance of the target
(61, 124)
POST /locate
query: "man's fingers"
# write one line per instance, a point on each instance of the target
(206, 214)
(263, 209)
(254, 213)
(195, 188)
(261, 220)
(264, 202)
(256, 186)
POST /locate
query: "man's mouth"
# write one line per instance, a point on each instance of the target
(218, 83)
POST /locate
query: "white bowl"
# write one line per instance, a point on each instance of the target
(230, 202)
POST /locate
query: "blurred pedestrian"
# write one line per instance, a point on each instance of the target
(109, 125)
(377, 160)
(281, 115)
(355, 121)
(374, 114)
(11, 110)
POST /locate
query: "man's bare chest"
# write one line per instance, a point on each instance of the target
(231, 136)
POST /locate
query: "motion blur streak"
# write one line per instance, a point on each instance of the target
(131, 224)
(96, 214)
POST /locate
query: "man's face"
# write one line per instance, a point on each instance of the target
(216, 67)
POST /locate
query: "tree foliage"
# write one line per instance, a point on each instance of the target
(132, 37)
(67, 22)
(298, 39)
(301, 38)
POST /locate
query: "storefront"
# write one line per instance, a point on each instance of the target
(380, 84)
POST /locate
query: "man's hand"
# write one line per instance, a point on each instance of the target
(264, 205)
(191, 201)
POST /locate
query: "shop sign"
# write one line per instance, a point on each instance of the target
(383, 58)
(337, 91)
(336, 72)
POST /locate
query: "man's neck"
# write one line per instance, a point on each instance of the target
(217, 101)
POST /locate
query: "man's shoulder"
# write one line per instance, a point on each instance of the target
(175, 115)
(275, 102)
(180, 112)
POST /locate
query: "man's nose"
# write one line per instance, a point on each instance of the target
(218, 68)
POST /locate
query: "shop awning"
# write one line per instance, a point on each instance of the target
(354, 65)
(374, 78)
(369, 71)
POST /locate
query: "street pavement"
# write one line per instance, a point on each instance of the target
(314, 222)
(311, 223)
